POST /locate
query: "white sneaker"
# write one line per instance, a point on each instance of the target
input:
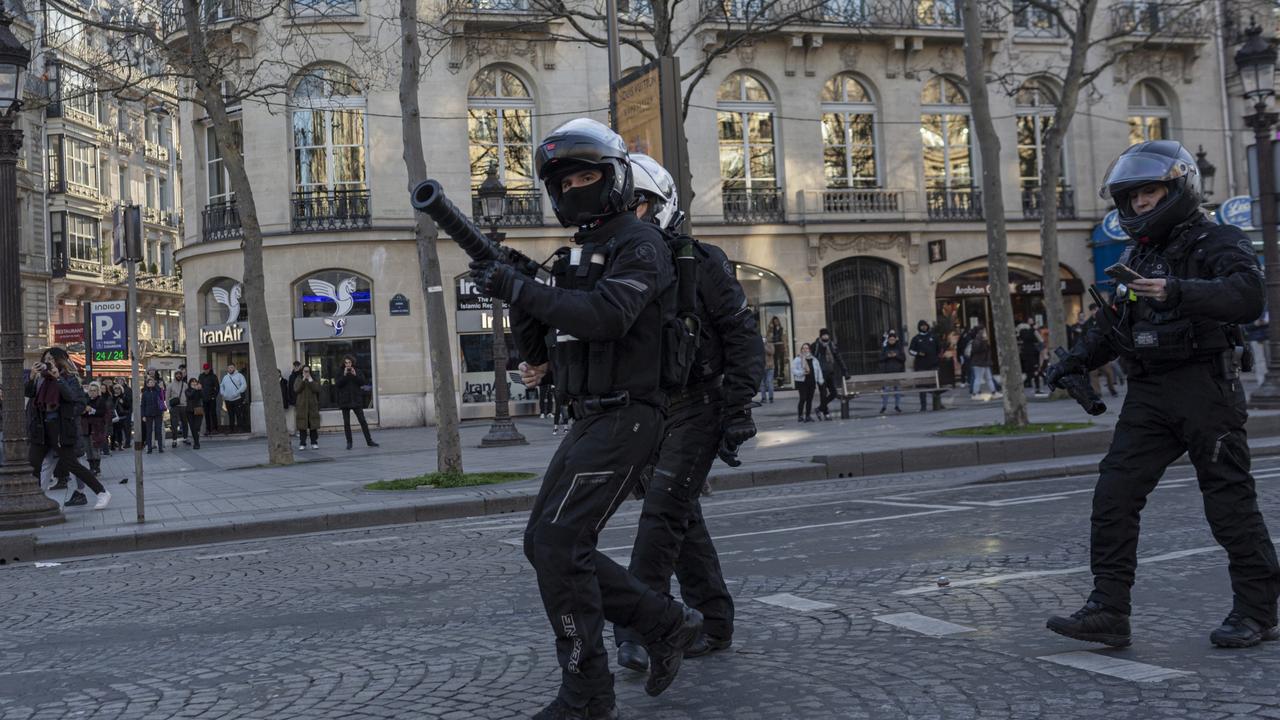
(303, 446)
(315, 446)
(103, 499)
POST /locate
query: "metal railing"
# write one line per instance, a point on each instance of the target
(1033, 199)
(1034, 22)
(212, 12)
(890, 14)
(520, 209)
(331, 210)
(746, 206)
(1152, 17)
(220, 221)
(954, 203)
(491, 6)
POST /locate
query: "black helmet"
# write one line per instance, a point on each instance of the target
(582, 144)
(1156, 161)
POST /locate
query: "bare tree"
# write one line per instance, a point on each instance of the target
(448, 444)
(1004, 339)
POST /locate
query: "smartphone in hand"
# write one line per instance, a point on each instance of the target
(1123, 273)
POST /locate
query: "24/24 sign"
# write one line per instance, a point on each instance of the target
(108, 325)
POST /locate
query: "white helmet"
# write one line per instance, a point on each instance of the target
(658, 188)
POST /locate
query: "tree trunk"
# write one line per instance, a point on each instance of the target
(1051, 174)
(1005, 341)
(448, 444)
(208, 81)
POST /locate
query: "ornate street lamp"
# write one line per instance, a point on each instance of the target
(22, 503)
(1207, 172)
(1256, 60)
(493, 200)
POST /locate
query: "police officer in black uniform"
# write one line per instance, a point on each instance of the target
(711, 414)
(601, 327)
(1176, 329)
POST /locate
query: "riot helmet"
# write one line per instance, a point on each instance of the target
(654, 185)
(584, 144)
(1157, 161)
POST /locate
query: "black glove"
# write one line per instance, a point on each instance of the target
(1055, 373)
(738, 428)
(495, 280)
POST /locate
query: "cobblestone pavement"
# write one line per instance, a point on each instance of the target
(442, 620)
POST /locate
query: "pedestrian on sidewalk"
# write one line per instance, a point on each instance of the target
(351, 385)
(121, 418)
(306, 393)
(927, 355)
(807, 374)
(833, 370)
(777, 342)
(152, 414)
(232, 389)
(892, 360)
(56, 403)
(93, 427)
(209, 398)
(1029, 348)
(766, 385)
(980, 359)
(195, 410)
(286, 390)
(1257, 334)
(175, 393)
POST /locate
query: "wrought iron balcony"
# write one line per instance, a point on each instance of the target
(1153, 17)
(220, 221)
(883, 14)
(520, 209)
(212, 13)
(748, 206)
(1032, 203)
(954, 203)
(501, 7)
(331, 210)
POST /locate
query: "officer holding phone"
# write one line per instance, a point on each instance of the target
(1184, 287)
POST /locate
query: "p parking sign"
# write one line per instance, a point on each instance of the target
(109, 330)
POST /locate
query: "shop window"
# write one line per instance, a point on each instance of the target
(476, 352)
(324, 357)
(333, 293)
(768, 296)
(224, 302)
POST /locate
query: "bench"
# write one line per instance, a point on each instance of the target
(915, 381)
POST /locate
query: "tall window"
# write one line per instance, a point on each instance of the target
(53, 161)
(79, 93)
(82, 163)
(82, 238)
(1030, 20)
(1149, 113)
(218, 178)
(1035, 104)
(848, 133)
(324, 8)
(122, 173)
(745, 116)
(500, 128)
(151, 191)
(944, 131)
(328, 131)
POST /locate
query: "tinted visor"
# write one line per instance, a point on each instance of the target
(1135, 169)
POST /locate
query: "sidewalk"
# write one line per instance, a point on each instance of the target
(222, 492)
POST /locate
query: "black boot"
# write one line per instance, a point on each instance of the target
(1238, 631)
(348, 444)
(633, 656)
(706, 644)
(595, 710)
(1094, 623)
(77, 498)
(666, 654)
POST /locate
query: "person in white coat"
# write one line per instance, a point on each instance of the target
(807, 374)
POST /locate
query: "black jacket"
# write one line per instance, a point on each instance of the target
(621, 316)
(209, 384)
(828, 356)
(351, 390)
(924, 348)
(731, 345)
(893, 358)
(71, 404)
(1214, 281)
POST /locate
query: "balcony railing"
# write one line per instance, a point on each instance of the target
(1169, 19)
(156, 153)
(125, 142)
(1032, 200)
(83, 191)
(331, 210)
(212, 12)
(888, 14)
(954, 204)
(521, 209)
(861, 201)
(491, 6)
(746, 206)
(220, 221)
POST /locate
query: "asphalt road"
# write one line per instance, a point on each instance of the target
(839, 616)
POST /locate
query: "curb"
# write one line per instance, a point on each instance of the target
(1069, 445)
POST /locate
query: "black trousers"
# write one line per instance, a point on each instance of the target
(805, 408)
(364, 424)
(68, 464)
(827, 392)
(593, 471)
(194, 422)
(211, 414)
(1191, 410)
(672, 534)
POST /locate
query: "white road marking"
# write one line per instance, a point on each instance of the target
(367, 540)
(231, 555)
(1048, 573)
(516, 542)
(1114, 667)
(794, 602)
(99, 568)
(1028, 499)
(923, 624)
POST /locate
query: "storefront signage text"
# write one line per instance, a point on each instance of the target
(232, 333)
(1030, 287)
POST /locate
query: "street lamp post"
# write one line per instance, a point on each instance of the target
(493, 198)
(22, 503)
(1208, 171)
(1256, 60)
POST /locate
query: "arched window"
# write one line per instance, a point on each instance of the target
(328, 108)
(1035, 103)
(500, 128)
(745, 112)
(848, 133)
(333, 293)
(1149, 113)
(944, 130)
(224, 302)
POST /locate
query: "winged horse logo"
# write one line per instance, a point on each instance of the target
(343, 295)
(231, 299)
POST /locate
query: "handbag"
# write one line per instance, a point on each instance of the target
(198, 411)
